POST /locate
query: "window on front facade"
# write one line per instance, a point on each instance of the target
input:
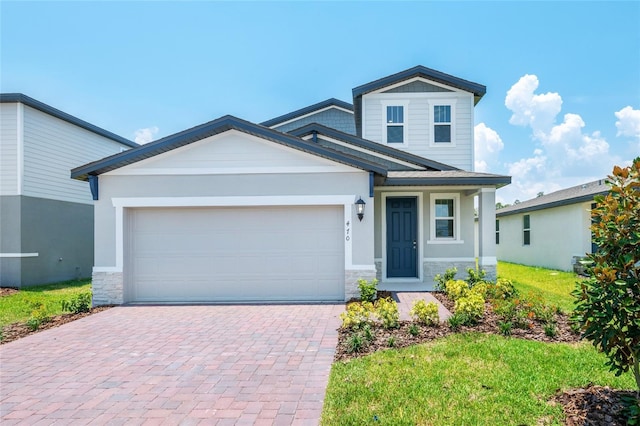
(526, 228)
(442, 123)
(395, 124)
(497, 231)
(445, 218)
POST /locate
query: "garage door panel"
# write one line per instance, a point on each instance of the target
(236, 254)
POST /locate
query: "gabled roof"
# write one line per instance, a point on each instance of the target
(356, 141)
(41, 106)
(445, 177)
(478, 90)
(212, 128)
(573, 195)
(332, 102)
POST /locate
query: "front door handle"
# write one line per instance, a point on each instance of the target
(414, 245)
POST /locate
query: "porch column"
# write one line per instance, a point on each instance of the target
(487, 232)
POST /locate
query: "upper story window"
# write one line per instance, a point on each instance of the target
(526, 230)
(395, 124)
(442, 115)
(442, 123)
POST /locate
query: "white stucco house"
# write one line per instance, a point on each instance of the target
(550, 231)
(236, 211)
(46, 218)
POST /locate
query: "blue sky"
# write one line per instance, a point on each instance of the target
(563, 78)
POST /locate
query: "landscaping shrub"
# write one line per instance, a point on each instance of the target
(78, 304)
(356, 315)
(456, 320)
(501, 289)
(426, 313)
(475, 276)
(387, 311)
(608, 303)
(414, 330)
(470, 306)
(355, 343)
(505, 327)
(456, 289)
(38, 316)
(480, 288)
(368, 289)
(441, 280)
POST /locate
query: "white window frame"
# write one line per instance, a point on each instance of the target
(456, 219)
(451, 102)
(405, 124)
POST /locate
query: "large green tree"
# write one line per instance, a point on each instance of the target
(608, 303)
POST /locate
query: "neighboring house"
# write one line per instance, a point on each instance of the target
(236, 211)
(46, 218)
(550, 231)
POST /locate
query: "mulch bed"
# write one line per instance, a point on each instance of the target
(592, 405)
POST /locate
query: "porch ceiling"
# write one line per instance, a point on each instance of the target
(445, 177)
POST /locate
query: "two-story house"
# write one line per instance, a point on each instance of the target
(301, 206)
(46, 218)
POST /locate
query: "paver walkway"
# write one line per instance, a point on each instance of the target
(217, 365)
(406, 299)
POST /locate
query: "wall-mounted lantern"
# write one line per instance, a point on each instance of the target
(360, 208)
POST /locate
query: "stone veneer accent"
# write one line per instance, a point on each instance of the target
(107, 288)
(351, 277)
(431, 269)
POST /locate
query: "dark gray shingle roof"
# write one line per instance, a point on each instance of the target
(573, 195)
(41, 106)
(211, 128)
(370, 146)
(308, 110)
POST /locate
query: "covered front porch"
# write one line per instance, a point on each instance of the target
(424, 225)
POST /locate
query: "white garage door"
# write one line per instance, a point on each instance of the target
(235, 254)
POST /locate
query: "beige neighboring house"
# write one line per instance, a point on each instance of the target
(46, 218)
(300, 207)
(550, 231)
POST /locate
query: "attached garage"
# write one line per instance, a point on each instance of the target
(218, 254)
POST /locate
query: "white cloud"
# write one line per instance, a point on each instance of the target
(565, 155)
(628, 123)
(530, 109)
(145, 135)
(487, 146)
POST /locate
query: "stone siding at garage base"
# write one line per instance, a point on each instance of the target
(107, 288)
(351, 278)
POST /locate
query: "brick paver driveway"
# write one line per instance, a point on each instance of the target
(245, 364)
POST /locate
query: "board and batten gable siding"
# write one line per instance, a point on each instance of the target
(557, 234)
(52, 147)
(334, 118)
(418, 120)
(9, 181)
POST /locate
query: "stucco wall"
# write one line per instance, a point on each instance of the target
(557, 234)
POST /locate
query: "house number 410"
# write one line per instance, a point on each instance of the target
(348, 237)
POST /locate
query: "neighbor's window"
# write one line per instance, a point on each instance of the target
(497, 231)
(395, 124)
(526, 228)
(445, 218)
(442, 123)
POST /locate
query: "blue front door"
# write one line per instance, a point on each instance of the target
(402, 237)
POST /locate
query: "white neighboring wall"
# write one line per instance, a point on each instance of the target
(9, 149)
(37, 152)
(557, 234)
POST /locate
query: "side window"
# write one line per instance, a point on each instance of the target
(442, 123)
(445, 218)
(526, 230)
(497, 231)
(395, 124)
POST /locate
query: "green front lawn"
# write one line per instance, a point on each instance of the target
(19, 307)
(471, 379)
(554, 286)
(468, 379)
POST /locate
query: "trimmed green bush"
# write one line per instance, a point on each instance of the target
(425, 313)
